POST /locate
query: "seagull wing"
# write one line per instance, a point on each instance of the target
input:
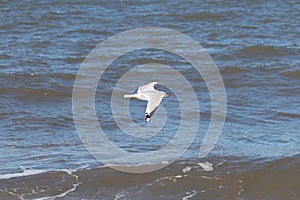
(154, 99)
(148, 87)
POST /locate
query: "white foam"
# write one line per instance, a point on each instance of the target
(75, 185)
(190, 194)
(207, 166)
(186, 169)
(29, 172)
(207, 177)
(59, 195)
(26, 172)
(178, 176)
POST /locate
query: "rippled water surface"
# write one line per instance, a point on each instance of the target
(255, 46)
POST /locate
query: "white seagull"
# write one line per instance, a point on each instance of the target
(149, 93)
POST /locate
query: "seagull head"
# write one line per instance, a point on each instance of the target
(166, 95)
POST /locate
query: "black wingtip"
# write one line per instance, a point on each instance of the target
(147, 118)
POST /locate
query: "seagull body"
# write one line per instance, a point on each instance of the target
(149, 93)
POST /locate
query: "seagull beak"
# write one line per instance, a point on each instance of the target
(167, 95)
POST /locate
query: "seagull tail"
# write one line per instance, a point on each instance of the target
(130, 95)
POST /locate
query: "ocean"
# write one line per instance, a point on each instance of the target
(52, 149)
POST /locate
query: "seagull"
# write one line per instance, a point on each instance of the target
(149, 93)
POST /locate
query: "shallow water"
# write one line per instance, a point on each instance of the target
(255, 46)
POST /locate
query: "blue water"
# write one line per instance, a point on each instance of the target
(255, 45)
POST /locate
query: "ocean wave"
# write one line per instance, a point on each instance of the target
(295, 74)
(38, 184)
(28, 85)
(261, 50)
(232, 178)
(229, 70)
(26, 172)
(206, 15)
(288, 115)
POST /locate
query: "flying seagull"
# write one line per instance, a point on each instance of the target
(149, 93)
